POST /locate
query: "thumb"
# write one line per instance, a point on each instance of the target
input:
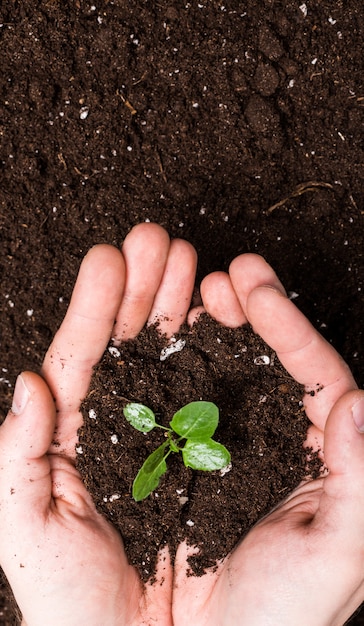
(28, 428)
(344, 457)
(25, 437)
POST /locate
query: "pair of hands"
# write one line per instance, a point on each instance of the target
(302, 564)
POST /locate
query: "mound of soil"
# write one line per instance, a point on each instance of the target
(262, 423)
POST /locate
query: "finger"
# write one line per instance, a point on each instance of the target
(81, 340)
(315, 440)
(304, 353)
(173, 298)
(68, 488)
(221, 301)
(197, 589)
(145, 251)
(224, 295)
(249, 271)
(343, 497)
(195, 314)
(158, 592)
(25, 437)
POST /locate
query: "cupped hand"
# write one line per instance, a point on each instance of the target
(303, 563)
(66, 565)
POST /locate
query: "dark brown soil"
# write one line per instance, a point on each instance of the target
(262, 423)
(247, 135)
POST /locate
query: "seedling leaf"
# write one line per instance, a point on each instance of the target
(140, 416)
(147, 479)
(196, 420)
(206, 455)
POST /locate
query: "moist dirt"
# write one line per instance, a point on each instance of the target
(236, 125)
(262, 424)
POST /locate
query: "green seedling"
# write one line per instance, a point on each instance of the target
(190, 433)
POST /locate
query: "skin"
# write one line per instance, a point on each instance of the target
(66, 564)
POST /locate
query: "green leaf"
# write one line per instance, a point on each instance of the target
(206, 455)
(196, 420)
(147, 479)
(140, 416)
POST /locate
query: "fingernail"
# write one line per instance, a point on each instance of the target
(358, 414)
(20, 397)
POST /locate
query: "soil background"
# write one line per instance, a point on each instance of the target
(237, 125)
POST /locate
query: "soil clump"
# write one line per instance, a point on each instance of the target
(262, 424)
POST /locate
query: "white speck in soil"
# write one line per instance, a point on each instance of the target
(115, 496)
(303, 8)
(84, 111)
(225, 469)
(263, 359)
(175, 346)
(114, 351)
(292, 295)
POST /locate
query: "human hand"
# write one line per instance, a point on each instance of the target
(303, 563)
(66, 565)
(64, 548)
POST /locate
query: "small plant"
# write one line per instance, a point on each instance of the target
(194, 424)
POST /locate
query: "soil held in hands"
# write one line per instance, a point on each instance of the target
(262, 423)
